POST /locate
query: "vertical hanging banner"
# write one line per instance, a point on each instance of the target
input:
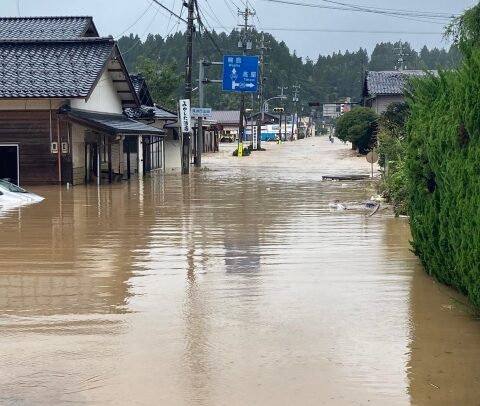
(255, 138)
(185, 117)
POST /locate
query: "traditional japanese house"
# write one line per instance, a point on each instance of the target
(63, 92)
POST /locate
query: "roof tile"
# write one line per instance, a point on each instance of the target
(389, 82)
(51, 68)
(34, 28)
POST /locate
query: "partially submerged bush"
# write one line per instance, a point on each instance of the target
(443, 172)
(246, 151)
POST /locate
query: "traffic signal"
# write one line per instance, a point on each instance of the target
(342, 108)
(278, 109)
(314, 104)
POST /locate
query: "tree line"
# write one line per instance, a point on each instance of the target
(327, 79)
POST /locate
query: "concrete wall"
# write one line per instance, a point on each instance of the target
(380, 103)
(104, 97)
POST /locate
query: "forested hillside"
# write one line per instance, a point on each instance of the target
(326, 79)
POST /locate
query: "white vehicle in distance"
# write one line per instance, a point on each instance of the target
(11, 193)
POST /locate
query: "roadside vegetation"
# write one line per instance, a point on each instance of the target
(442, 165)
(358, 126)
(392, 137)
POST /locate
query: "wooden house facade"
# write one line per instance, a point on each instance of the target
(63, 93)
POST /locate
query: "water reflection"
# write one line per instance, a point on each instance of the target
(225, 287)
(444, 350)
(70, 254)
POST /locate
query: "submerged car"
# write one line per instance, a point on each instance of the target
(11, 193)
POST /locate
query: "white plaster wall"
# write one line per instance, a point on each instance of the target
(173, 158)
(31, 104)
(382, 102)
(78, 146)
(104, 97)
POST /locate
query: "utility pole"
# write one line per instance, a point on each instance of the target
(401, 57)
(188, 85)
(244, 44)
(282, 88)
(199, 148)
(296, 89)
(259, 124)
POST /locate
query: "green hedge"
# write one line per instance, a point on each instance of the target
(443, 171)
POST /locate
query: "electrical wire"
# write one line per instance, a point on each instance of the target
(403, 16)
(135, 22)
(381, 9)
(235, 17)
(177, 23)
(139, 41)
(170, 11)
(238, 8)
(266, 29)
(214, 15)
(200, 22)
(170, 17)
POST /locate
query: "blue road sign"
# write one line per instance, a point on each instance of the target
(240, 73)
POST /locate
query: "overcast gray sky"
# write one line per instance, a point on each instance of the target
(113, 17)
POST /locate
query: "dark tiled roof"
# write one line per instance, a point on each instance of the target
(51, 69)
(388, 82)
(113, 124)
(137, 82)
(150, 113)
(226, 116)
(35, 28)
(141, 88)
(163, 113)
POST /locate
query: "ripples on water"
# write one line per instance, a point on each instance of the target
(232, 286)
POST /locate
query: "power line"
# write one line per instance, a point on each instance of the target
(214, 15)
(238, 8)
(136, 21)
(177, 24)
(266, 29)
(200, 22)
(230, 9)
(381, 9)
(170, 17)
(401, 15)
(139, 41)
(170, 11)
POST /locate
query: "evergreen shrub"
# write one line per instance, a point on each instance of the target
(443, 170)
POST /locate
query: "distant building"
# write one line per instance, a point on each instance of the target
(228, 122)
(382, 88)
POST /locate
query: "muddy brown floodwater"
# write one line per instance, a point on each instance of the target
(237, 285)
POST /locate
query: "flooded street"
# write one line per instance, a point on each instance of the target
(236, 285)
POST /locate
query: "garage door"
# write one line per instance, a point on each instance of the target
(9, 162)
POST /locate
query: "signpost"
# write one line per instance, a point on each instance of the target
(186, 125)
(185, 119)
(201, 112)
(372, 157)
(240, 73)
